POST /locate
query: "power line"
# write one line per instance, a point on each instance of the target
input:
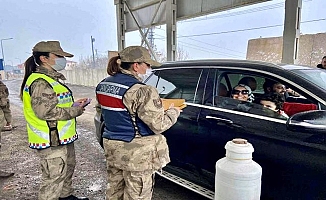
(241, 30)
(205, 49)
(204, 43)
(214, 51)
(217, 46)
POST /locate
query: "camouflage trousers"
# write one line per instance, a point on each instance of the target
(131, 166)
(126, 185)
(57, 165)
(6, 112)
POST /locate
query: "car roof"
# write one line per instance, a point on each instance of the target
(234, 63)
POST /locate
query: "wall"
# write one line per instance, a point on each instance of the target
(312, 47)
(86, 77)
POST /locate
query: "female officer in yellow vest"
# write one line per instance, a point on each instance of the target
(51, 119)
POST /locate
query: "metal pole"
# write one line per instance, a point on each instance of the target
(3, 59)
(3, 55)
(92, 41)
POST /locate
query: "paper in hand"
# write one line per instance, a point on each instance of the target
(176, 102)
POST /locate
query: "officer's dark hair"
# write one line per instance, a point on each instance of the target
(324, 57)
(30, 66)
(114, 67)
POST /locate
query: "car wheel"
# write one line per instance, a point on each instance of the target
(102, 131)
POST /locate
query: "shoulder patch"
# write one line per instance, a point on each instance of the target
(158, 103)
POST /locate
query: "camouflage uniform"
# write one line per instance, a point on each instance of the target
(4, 104)
(3, 97)
(5, 114)
(57, 162)
(131, 166)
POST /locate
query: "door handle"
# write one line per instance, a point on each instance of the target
(221, 120)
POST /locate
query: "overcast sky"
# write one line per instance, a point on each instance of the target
(30, 21)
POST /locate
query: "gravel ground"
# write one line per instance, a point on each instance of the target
(90, 174)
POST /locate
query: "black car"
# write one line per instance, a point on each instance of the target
(291, 151)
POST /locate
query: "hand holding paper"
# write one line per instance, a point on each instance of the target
(178, 103)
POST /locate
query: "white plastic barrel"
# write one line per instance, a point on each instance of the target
(237, 176)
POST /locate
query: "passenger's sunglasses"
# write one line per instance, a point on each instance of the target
(244, 92)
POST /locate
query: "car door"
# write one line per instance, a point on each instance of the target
(183, 138)
(292, 162)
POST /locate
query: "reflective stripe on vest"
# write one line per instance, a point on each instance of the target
(38, 130)
(119, 125)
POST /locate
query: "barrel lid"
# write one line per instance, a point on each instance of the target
(240, 141)
(239, 145)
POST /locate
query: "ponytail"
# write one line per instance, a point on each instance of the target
(115, 65)
(30, 66)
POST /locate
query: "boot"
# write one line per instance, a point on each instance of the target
(7, 127)
(5, 174)
(72, 197)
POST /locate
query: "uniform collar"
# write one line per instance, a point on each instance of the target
(127, 72)
(51, 73)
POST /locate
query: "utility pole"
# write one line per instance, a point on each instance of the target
(92, 42)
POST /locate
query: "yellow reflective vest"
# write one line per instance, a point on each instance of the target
(37, 129)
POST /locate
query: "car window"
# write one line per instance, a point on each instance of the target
(295, 102)
(184, 83)
(317, 76)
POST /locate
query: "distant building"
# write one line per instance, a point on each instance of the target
(21, 66)
(70, 65)
(112, 54)
(312, 47)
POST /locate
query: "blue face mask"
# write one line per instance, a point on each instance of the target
(60, 64)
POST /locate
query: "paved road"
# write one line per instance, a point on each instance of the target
(90, 175)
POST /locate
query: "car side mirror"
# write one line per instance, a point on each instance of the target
(313, 121)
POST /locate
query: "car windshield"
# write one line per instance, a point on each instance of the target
(318, 77)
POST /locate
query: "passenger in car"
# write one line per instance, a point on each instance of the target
(242, 92)
(273, 101)
(250, 81)
(273, 86)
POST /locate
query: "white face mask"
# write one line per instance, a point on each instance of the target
(60, 64)
(146, 75)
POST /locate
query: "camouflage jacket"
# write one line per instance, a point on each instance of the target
(4, 93)
(44, 101)
(143, 153)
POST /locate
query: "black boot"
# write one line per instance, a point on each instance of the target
(72, 197)
(5, 174)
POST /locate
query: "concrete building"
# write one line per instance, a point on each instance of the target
(70, 65)
(312, 47)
